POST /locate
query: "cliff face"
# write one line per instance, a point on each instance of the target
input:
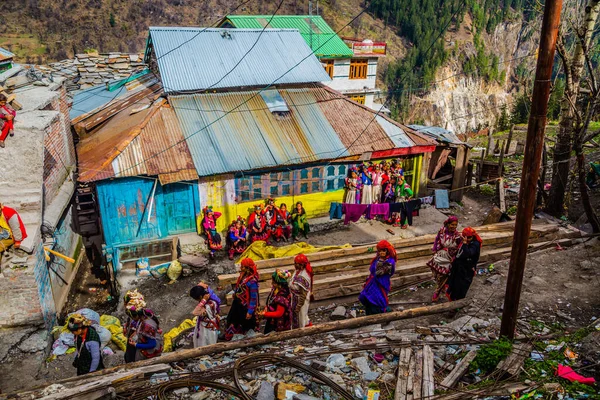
(461, 103)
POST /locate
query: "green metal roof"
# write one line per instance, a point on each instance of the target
(323, 40)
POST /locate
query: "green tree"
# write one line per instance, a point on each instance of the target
(111, 20)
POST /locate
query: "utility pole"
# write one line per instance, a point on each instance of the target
(531, 163)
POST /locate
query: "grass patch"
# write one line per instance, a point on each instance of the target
(489, 355)
(23, 46)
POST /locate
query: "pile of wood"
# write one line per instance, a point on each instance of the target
(342, 272)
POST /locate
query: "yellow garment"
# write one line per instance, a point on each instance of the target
(260, 251)
(4, 225)
(114, 326)
(173, 333)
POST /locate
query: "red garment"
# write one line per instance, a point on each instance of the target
(6, 125)
(9, 213)
(248, 263)
(278, 313)
(252, 221)
(303, 260)
(567, 373)
(273, 219)
(391, 251)
(468, 231)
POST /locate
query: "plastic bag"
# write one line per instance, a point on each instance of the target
(173, 333)
(114, 326)
(141, 267)
(88, 314)
(104, 334)
(174, 271)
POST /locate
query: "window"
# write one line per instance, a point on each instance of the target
(257, 193)
(285, 176)
(328, 65)
(331, 170)
(341, 183)
(257, 180)
(274, 191)
(245, 195)
(315, 172)
(358, 68)
(359, 98)
(304, 188)
(285, 190)
(304, 174)
(342, 170)
(316, 187)
(330, 184)
(274, 177)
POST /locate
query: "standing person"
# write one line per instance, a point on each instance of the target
(299, 222)
(351, 184)
(12, 230)
(301, 291)
(147, 338)
(284, 227)
(242, 316)
(445, 247)
(277, 309)
(257, 225)
(389, 193)
(236, 237)
(7, 120)
(207, 311)
(464, 265)
(367, 186)
(374, 296)
(270, 214)
(377, 183)
(209, 223)
(403, 195)
(130, 326)
(87, 344)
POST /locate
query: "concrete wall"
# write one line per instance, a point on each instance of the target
(35, 180)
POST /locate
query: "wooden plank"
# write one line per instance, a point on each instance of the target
(459, 370)
(511, 365)
(480, 166)
(411, 379)
(418, 379)
(428, 385)
(401, 392)
(460, 173)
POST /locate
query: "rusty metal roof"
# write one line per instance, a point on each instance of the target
(149, 142)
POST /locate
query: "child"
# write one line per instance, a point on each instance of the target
(236, 237)
(284, 229)
(206, 331)
(209, 223)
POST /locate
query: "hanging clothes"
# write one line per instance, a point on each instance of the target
(353, 212)
(382, 210)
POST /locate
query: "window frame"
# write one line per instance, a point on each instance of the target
(329, 66)
(358, 68)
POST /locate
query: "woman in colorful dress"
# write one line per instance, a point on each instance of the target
(7, 120)
(87, 344)
(403, 194)
(209, 224)
(464, 265)
(377, 176)
(236, 237)
(147, 337)
(207, 310)
(130, 326)
(367, 186)
(277, 310)
(351, 184)
(374, 296)
(299, 222)
(257, 225)
(445, 248)
(242, 316)
(270, 214)
(301, 291)
(283, 229)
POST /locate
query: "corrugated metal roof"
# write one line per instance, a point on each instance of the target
(192, 59)
(252, 137)
(158, 149)
(94, 98)
(316, 32)
(5, 54)
(438, 133)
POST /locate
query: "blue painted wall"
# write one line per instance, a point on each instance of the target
(123, 209)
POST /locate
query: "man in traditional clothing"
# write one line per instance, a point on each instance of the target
(12, 230)
(301, 290)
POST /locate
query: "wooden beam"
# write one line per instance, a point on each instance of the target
(459, 370)
(511, 365)
(418, 379)
(480, 166)
(510, 135)
(460, 173)
(401, 392)
(428, 385)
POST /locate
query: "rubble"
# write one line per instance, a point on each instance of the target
(338, 314)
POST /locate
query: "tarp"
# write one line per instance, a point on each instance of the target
(173, 333)
(260, 251)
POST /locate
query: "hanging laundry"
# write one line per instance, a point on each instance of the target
(354, 212)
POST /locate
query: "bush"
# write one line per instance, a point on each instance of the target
(487, 189)
(489, 355)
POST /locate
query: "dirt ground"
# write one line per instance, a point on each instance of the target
(560, 286)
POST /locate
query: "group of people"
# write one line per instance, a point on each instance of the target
(286, 306)
(379, 183)
(142, 331)
(453, 265)
(267, 222)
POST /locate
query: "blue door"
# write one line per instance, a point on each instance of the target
(181, 204)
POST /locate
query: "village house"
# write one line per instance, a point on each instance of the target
(350, 63)
(212, 134)
(36, 179)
